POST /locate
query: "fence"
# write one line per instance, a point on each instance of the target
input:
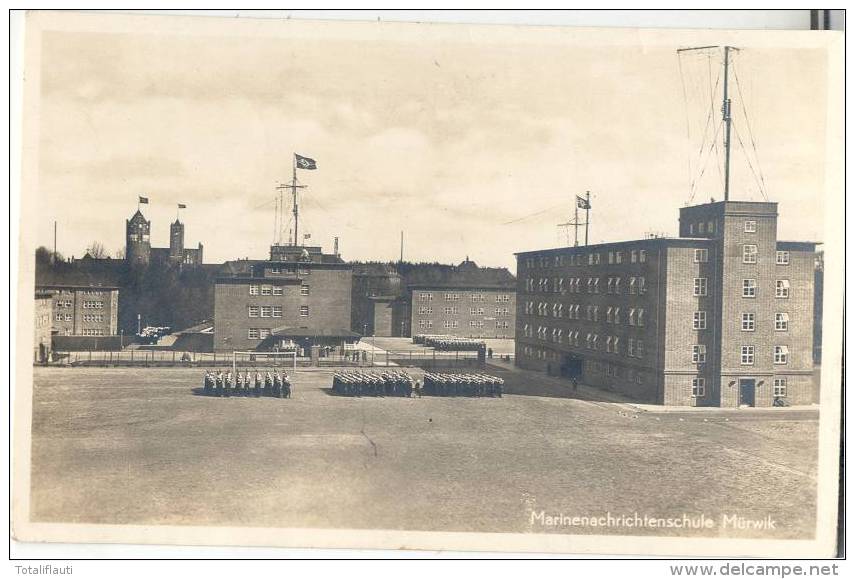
(169, 358)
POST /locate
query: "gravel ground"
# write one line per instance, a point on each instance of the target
(118, 446)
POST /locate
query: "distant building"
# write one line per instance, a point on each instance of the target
(138, 249)
(43, 324)
(391, 299)
(721, 316)
(82, 310)
(299, 297)
(464, 311)
(379, 305)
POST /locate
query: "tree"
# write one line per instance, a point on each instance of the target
(45, 256)
(120, 253)
(97, 250)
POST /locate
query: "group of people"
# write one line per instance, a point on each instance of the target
(449, 343)
(438, 384)
(256, 383)
(356, 383)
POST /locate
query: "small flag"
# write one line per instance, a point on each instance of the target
(305, 162)
(582, 203)
(144, 200)
(182, 206)
(307, 236)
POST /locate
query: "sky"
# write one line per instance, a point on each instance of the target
(473, 144)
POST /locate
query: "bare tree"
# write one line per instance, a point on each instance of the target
(97, 250)
(120, 253)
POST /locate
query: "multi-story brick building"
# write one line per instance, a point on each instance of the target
(42, 325)
(389, 299)
(299, 296)
(458, 310)
(721, 316)
(82, 310)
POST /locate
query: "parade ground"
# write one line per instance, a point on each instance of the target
(139, 446)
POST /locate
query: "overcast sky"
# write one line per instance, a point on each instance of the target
(442, 133)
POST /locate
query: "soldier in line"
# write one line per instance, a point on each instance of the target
(259, 382)
(277, 384)
(241, 385)
(219, 383)
(286, 386)
(227, 384)
(206, 383)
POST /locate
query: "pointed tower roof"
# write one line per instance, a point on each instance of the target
(138, 217)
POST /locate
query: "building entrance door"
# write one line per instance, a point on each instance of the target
(746, 391)
(571, 367)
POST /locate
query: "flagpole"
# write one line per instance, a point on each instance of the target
(587, 214)
(294, 192)
(576, 223)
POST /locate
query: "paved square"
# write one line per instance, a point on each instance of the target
(118, 446)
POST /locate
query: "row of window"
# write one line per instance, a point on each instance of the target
(62, 304)
(277, 269)
(257, 333)
(93, 332)
(454, 311)
(614, 257)
(454, 297)
(93, 318)
(749, 288)
(749, 255)
(699, 387)
(63, 317)
(273, 290)
(636, 285)
(635, 316)
(782, 321)
(267, 311)
(93, 304)
(780, 354)
(500, 324)
(635, 347)
(92, 293)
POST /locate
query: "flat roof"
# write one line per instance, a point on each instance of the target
(669, 241)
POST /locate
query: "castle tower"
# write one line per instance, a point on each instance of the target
(137, 243)
(176, 241)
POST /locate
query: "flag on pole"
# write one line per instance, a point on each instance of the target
(182, 206)
(305, 162)
(582, 203)
(307, 236)
(143, 199)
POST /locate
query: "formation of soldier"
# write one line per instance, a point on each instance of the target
(438, 384)
(254, 382)
(448, 343)
(355, 383)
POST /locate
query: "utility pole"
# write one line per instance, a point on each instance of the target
(293, 186)
(53, 260)
(725, 110)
